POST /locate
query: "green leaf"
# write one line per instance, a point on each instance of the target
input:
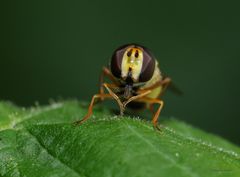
(41, 141)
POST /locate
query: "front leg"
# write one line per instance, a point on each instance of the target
(90, 108)
(120, 104)
(153, 101)
(140, 95)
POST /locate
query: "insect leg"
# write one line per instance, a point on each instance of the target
(90, 108)
(152, 101)
(108, 87)
(136, 97)
(164, 83)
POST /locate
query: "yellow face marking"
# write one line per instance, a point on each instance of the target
(132, 60)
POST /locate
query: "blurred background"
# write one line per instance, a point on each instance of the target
(52, 49)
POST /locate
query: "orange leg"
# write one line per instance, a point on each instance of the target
(120, 104)
(152, 101)
(144, 93)
(90, 108)
(164, 83)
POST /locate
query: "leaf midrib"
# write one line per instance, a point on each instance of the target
(17, 120)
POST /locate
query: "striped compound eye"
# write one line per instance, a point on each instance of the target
(133, 62)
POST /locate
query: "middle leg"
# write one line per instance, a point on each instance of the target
(151, 102)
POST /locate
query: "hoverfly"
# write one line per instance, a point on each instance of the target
(136, 81)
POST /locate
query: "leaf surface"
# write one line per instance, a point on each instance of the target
(42, 141)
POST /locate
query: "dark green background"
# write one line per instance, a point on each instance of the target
(52, 49)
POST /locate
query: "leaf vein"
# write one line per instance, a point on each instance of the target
(52, 155)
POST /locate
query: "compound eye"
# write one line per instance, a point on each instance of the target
(116, 61)
(148, 66)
